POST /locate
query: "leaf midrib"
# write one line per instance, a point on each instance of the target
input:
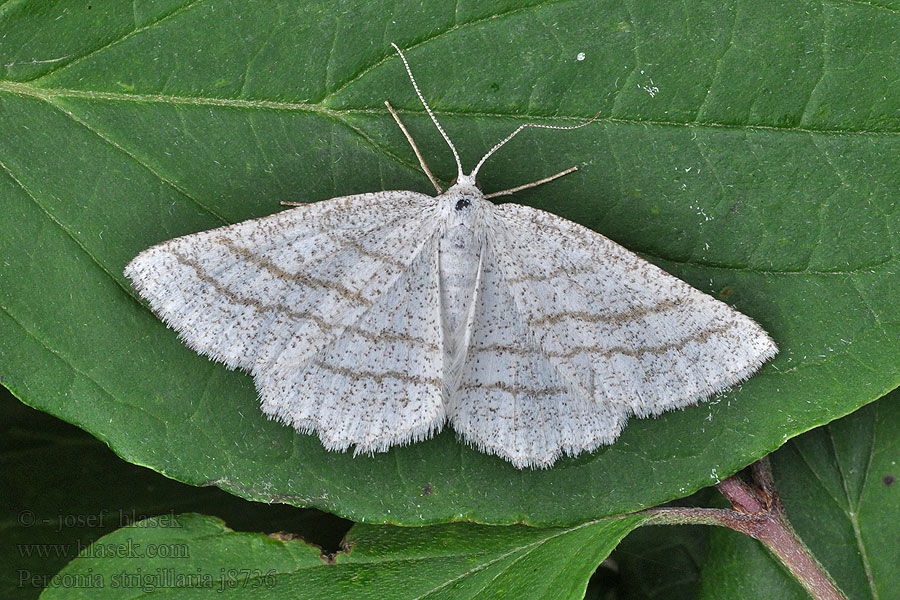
(27, 89)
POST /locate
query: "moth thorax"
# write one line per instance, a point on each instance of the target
(460, 248)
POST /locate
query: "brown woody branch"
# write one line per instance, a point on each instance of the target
(759, 513)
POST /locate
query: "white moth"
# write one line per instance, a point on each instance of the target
(374, 319)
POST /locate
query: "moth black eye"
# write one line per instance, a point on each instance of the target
(461, 204)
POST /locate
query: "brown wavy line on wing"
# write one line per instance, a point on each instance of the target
(621, 317)
(307, 280)
(610, 352)
(359, 375)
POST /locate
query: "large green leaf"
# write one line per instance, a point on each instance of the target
(841, 489)
(752, 153)
(441, 561)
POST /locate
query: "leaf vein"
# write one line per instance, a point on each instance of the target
(500, 557)
(436, 35)
(118, 40)
(133, 157)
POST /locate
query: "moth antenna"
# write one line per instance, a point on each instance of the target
(499, 144)
(428, 110)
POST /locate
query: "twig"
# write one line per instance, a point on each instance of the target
(759, 513)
